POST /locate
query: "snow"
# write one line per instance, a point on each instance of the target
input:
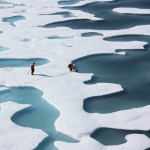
(132, 10)
(62, 89)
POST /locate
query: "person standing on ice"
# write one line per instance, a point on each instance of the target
(72, 68)
(32, 68)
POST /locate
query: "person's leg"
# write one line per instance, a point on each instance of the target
(70, 69)
(32, 71)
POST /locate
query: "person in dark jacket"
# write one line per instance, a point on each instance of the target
(33, 68)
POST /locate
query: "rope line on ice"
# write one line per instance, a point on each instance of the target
(45, 76)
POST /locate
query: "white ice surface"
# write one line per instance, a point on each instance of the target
(66, 91)
(132, 10)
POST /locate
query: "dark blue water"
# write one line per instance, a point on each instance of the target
(59, 37)
(13, 19)
(41, 115)
(112, 20)
(89, 34)
(129, 37)
(64, 14)
(132, 71)
(109, 136)
(15, 62)
(68, 2)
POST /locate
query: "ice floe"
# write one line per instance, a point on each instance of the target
(63, 89)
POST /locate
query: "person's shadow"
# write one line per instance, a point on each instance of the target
(43, 75)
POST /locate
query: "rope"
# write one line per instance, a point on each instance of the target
(45, 76)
